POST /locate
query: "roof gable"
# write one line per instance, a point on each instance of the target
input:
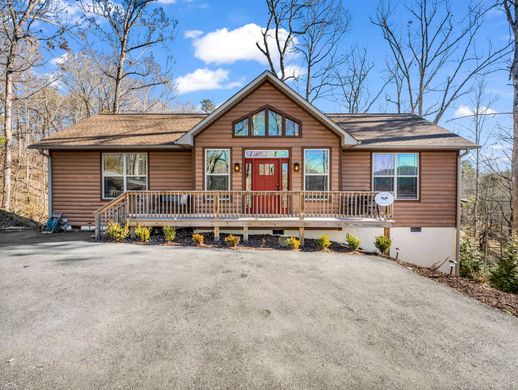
(267, 76)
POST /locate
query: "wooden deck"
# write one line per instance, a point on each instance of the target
(245, 209)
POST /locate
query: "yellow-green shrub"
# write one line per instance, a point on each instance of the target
(232, 240)
(116, 232)
(353, 242)
(143, 233)
(169, 233)
(198, 239)
(383, 244)
(293, 243)
(323, 242)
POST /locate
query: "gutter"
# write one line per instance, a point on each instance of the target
(459, 196)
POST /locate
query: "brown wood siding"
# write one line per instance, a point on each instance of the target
(314, 135)
(76, 185)
(438, 188)
(170, 171)
(76, 177)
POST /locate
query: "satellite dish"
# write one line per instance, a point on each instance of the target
(384, 199)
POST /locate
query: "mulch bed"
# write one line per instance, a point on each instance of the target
(262, 242)
(483, 292)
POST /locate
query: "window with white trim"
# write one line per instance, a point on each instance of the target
(217, 169)
(397, 173)
(316, 169)
(123, 172)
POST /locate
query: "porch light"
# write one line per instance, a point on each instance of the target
(237, 167)
(296, 167)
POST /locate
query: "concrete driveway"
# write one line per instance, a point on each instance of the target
(82, 315)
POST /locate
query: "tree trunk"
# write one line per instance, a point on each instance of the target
(8, 132)
(514, 161)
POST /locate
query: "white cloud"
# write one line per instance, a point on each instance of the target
(59, 60)
(465, 110)
(166, 2)
(226, 46)
(204, 79)
(192, 34)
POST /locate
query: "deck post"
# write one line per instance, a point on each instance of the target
(245, 233)
(97, 227)
(132, 232)
(301, 236)
(216, 233)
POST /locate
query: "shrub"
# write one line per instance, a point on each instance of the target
(353, 242)
(505, 275)
(116, 232)
(323, 242)
(471, 264)
(143, 233)
(293, 243)
(198, 239)
(169, 233)
(383, 244)
(232, 240)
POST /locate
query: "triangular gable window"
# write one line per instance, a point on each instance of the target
(267, 122)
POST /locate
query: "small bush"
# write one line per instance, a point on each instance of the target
(198, 239)
(383, 244)
(505, 275)
(232, 240)
(143, 233)
(293, 243)
(353, 242)
(471, 264)
(323, 242)
(169, 233)
(116, 232)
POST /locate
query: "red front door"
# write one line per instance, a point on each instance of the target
(267, 175)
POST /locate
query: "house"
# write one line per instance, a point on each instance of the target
(265, 160)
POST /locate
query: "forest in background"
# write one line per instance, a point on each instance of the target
(435, 58)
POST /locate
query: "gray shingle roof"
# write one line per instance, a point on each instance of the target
(374, 131)
(398, 131)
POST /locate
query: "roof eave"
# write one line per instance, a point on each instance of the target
(416, 147)
(105, 147)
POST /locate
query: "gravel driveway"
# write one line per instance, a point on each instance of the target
(75, 314)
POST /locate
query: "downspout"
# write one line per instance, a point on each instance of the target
(459, 210)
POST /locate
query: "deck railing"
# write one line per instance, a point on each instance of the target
(199, 205)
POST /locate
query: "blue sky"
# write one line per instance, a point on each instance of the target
(215, 55)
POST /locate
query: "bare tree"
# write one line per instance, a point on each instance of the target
(325, 24)
(23, 26)
(352, 82)
(301, 41)
(135, 27)
(285, 23)
(435, 55)
(511, 10)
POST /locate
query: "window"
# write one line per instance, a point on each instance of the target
(217, 169)
(266, 123)
(397, 173)
(316, 169)
(258, 124)
(241, 128)
(274, 123)
(292, 128)
(123, 172)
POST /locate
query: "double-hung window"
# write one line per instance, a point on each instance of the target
(217, 169)
(316, 169)
(123, 172)
(397, 173)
